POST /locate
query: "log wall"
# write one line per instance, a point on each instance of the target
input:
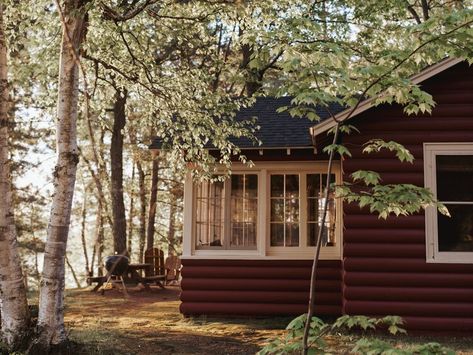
(258, 287)
(385, 269)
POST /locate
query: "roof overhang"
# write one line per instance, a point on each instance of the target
(369, 103)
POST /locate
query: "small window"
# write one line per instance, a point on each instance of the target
(449, 174)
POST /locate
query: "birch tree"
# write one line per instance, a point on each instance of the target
(13, 302)
(51, 330)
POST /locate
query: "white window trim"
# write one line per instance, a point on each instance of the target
(431, 150)
(263, 249)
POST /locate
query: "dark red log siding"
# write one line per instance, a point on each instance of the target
(258, 287)
(385, 271)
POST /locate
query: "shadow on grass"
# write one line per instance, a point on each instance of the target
(108, 342)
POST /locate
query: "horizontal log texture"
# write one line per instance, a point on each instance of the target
(386, 235)
(423, 309)
(362, 221)
(245, 296)
(258, 287)
(412, 279)
(398, 264)
(252, 309)
(385, 269)
(409, 294)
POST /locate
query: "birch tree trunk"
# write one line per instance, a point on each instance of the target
(13, 302)
(51, 330)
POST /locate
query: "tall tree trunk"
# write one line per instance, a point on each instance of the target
(116, 163)
(153, 199)
(13, 302)
(253, 76)
(131, 211)
(51, 330)
(141, 179)
(73, 272)
(98, 245)
(82, 231)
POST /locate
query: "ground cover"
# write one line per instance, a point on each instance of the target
(149, 322)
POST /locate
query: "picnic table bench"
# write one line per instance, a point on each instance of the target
(156, 270)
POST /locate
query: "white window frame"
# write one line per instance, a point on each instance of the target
(263, 249)
(431, 150)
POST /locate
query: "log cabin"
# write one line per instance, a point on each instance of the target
(249, 240)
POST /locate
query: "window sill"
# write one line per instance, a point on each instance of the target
(451, 258)
(327, 253)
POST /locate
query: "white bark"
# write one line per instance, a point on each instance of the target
(13, 302)
(51, 302)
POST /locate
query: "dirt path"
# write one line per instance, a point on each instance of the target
(149, 322)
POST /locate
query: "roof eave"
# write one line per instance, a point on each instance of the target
(368, 103)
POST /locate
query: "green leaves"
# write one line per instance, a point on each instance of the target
(397, 199)
(368, 177)
(380, 347)
(291, 343)
(337, 148)
(376, 145)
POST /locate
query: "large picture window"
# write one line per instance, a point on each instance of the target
(449, 174)
(273, 209)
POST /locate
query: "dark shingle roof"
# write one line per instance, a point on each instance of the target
(277, 130)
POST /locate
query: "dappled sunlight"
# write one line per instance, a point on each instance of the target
(149, 322)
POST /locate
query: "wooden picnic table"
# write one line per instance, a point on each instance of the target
(131, 275)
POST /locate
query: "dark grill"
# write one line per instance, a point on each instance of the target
(116, 265)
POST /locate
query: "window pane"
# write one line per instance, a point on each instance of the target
(313, 230)
(251, 210)
(277, 234)
(292, 234)
(454, 177)
(209, 213)
(315, 208)
(277, 185)
(243, 210)
(313, 185)
(251, 234)
(292, 185)
(456, 232)
(292, 210)
(312, 210)
(251, 185)
(324, 180)
(277, 210)
(237, 185)
(237, 209)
